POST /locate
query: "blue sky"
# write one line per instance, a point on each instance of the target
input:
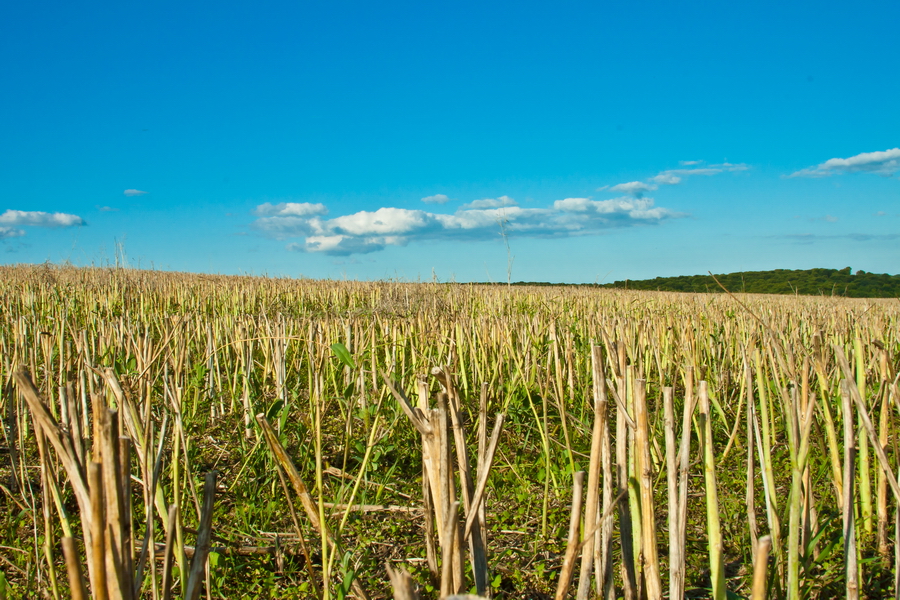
(586, 141)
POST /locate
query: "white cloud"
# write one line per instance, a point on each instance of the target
(384, 221)
(436, 199)
(342, 245)
(634, 208)
(666, 179)
(885, 162)
(673, 177)
(634, 188)
(287, 227)
(10, 232)
(35, 218)
(107, 209)
(290, 209)
(489, 203)
(133, 192)
(369, 231)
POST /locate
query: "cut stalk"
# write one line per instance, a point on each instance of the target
(714, 531)
(644, 471)
(572, 545)
(760, 568)
(851, 568)
(591, 514)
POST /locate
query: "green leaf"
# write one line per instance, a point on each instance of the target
(274, 409)
(343, 354)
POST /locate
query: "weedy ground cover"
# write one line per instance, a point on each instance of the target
(174, 435)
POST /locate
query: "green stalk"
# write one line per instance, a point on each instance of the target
(176, 501)
(831, 437)
(851, 566)
(798, 441)
(793, 572)
(865, 482)
(713, 525)
(560, 398)
(634, 491)
(766, 452)
(326, 575)
(545, 443)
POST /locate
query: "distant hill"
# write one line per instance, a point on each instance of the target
(814, 282)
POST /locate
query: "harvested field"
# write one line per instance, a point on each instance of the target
(294, 438)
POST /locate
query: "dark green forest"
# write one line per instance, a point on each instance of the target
(815, 282)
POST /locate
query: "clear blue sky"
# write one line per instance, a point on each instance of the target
(375, 140)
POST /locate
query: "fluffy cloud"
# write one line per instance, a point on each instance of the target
(382, 222)
(436, 199)
(370, 231)
(634, 188)
(673, 177)
(132, 192)
(490, 203)
(290, 209)
(635, 209)
(9, 232)
(885, 162)
(35, 218)
(666, 179)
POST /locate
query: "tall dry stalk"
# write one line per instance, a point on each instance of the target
(713, 525)
(650, 558)
(599, 469)
(851, 566)
(572, 545)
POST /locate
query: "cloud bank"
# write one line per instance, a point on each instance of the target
(36, 218)
(483, 219)
(130, 193)
(637, 189)
(885, 162)
(370, 231)
(11, 220)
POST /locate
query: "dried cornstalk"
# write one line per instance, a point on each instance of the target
(713, 526)
(760, 568)
(592, 508)
(851, 567)
(644, 472)
(572, 546)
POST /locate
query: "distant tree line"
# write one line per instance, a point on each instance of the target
(811, 282)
